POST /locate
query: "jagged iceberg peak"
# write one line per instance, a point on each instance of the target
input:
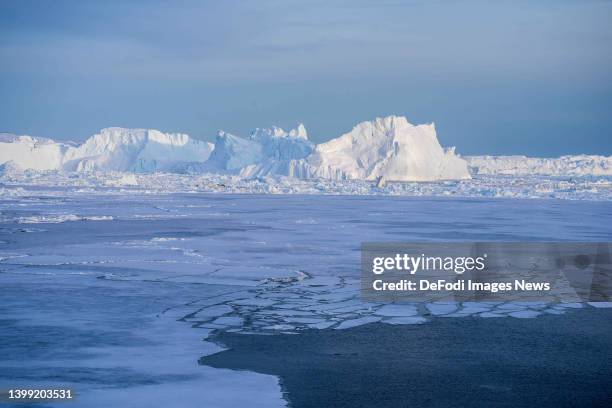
(385, 125)
(265, 149)
(277, 144)
(263, 133)
(391, 147)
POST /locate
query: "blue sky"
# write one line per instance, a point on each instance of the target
(499, 77)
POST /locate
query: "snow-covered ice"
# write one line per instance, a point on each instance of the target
(528, 186)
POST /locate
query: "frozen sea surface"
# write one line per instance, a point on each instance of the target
(527, 185)
(114, 294)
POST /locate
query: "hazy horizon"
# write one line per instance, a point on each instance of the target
(520, 77)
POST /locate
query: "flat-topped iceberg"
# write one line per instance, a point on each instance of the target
(113, 149)
(136, 150)
(576, 165)
(27, 152)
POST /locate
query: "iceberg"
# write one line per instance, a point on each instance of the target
(573, 165)
(136, 150)
(382, 151)
(27, 152)
(113, 149)
(266, 152)
(281, 151)
(385, 148)
(388, 147)
(231, 153)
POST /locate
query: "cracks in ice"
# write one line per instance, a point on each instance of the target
(291, 305)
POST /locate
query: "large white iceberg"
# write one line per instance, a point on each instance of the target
(113, 149)
(232, 153)
(388, 147)
(136, 150)
(27, 152)
(280, 151)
